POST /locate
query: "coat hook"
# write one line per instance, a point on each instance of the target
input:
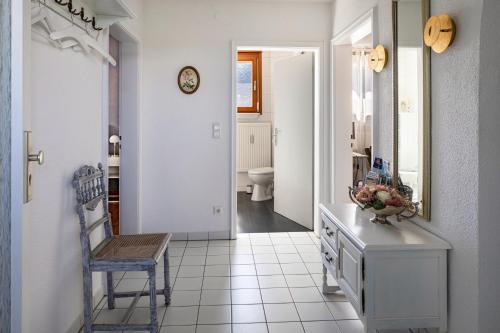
(60, 2)
(94, 25)
(82, 16)
(71, 10)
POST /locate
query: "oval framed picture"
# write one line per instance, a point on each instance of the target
(188, 80)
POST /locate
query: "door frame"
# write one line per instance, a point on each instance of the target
(321, 133)
(341, 39)
(129, 100)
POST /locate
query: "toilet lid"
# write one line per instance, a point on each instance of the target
(261, 171)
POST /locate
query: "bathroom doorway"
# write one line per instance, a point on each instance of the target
(275, 100)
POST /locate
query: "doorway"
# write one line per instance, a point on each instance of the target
(121, 131)
(274, 147)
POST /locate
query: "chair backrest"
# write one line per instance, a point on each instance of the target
(90, 186)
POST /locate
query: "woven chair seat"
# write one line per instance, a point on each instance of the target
(132, 247)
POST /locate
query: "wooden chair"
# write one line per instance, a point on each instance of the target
(116, 253)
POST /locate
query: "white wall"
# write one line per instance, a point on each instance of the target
(454, 142)
(185, 171)
(489, 166)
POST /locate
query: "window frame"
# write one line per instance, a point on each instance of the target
(256, 58)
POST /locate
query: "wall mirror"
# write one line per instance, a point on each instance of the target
(411, 104)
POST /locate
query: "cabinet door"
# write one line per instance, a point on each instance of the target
(350, 272)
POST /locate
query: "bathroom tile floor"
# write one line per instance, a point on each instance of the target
(259, 216)
(258, 283)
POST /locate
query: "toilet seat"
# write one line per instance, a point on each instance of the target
(261, 171)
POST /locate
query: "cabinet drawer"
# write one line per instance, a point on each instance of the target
(329, 258)
(350, 275)
(329, 232)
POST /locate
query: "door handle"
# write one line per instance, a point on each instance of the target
(40, 157)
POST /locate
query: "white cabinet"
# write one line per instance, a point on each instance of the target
(395, 276)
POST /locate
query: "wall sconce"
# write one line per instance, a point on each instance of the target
(378, 58)
(439, 32)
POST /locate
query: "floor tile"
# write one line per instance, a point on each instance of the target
(276, 295)
(217, 270)
(285, 248)
(282, 241)
(195, 251)
(309, 294)
(225, 328)
(311, 257)
(314, 267)
(244, 282)
(242, 270)
(342, 310)
(215, 297)
(307, 249)
(197, 243)
(260, 241)
(218, 260)
(181, 315)
(214, 314)
(185, 297)
(136, 275)
(217, 250)
(188, 283)
(190, 271)
(250, 328)
(178, 329)
(174, 261)
(313, 311)
(216, 282)
(318, 280)
(299, 281)
(294, 327)
(218, 242)
(278, 235)
(294, 268)
(143, 315)
(350, 326)
(286, 258)
(266, 258)
(281, 312)
(106, 316)
(131, 285)
(263, 249)
(321, 327)
(268, 269)
(177, 244)
(337, 296)
(242, 259)
(272, 281)
(243, 249)
(302, 241)
(176, 251)
(193, 260)
(246, 296)
(298, 234)
(248, 314)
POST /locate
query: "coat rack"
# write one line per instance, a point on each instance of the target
(81, 13)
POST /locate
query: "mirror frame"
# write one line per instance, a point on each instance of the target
(425, 207)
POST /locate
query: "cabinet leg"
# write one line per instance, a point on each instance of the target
(326, 288)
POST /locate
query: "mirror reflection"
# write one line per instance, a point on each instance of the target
(410, 85)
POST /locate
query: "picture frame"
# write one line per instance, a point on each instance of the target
(188, 80)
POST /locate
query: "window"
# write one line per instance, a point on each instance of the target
(249, 83)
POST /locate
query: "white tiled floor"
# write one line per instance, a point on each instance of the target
(259, 283)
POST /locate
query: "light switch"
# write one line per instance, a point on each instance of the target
(216, 130)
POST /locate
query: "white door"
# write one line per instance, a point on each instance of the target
(293, 91)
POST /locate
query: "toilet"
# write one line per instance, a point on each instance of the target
(262, 179)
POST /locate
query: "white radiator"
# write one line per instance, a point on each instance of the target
(254, 146)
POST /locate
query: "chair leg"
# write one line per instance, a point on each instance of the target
(111, 291)
(152, 299)
(166, 277)
(87, 299)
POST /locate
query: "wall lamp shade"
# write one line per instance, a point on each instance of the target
(439, 32)
(378, 58)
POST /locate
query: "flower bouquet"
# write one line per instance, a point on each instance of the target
(383, 201)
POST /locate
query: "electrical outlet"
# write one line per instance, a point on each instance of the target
(217, 210)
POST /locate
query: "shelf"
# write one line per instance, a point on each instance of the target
(109, 12)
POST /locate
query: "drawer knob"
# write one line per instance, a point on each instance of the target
(328, 257)
(328, 232)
